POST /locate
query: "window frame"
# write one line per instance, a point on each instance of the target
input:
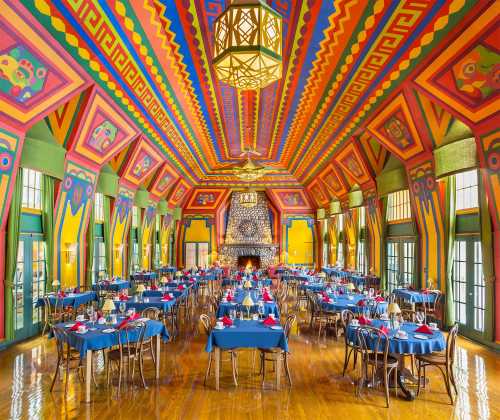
(32, 189)
(399, 207)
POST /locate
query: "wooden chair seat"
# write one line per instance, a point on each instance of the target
(433, 358)
(378, 360)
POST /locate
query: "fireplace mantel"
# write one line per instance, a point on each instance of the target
(266, 252)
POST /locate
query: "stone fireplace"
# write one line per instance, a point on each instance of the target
(253, 260)
(248, 234)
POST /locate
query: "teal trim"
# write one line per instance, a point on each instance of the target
(468, 224)
(400, 229)
(99, 230)
(31, 223)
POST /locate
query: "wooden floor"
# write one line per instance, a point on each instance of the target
(319, 390)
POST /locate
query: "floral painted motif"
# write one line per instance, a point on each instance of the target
(292, 199)
(478, 73)
(142, 166)
(103, 136)
(164, 183)
(202, 199)
(22, 76)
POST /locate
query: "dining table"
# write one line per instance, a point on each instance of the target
(351, 301)
(416, 343)
(95, 338)
(143, 277)
(111, 285)
(236, 303)
(246, 334)
(414, 297)
(68, 299)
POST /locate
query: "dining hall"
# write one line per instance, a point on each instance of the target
(256, 209)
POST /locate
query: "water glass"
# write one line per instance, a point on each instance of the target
(122, 307)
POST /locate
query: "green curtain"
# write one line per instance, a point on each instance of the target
(90, 248)
(48, 228)
(11, 259)
(106, 227)
(487, 254)
(139, 241)
(383, 243)
(450, 222)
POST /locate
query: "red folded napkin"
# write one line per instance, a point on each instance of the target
(227, 321)
(424, 329)
(364, 321)
(238, 277)
(154, 287)
(191, 280)
(255, 277)
(123, 298)
(384, 329)
(266, 297)
(133, 317)
(379, 299)
(127, 320)
(180, 287)
(166, 297)
(326, 299)
(361, 302)
(269, 321)
(75, 327)
(61, 294)
(426, 291)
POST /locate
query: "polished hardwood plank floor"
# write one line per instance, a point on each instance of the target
(319, 391)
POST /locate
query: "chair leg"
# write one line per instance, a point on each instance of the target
(419, 377)
(347, 356)
(141, 369)
(120, 368)
(152, 353)
(447, 383)
(263, 368)
(395, 381)
(287, 369)
(58, 366)
(386, 387)
(208, 368)
(452, 378)
(233, 362)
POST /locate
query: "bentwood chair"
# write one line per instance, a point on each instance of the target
(350, 347)
(277, 355)
(320, 318)
(207, 326)
(53, 314)
(431, 306)
(443, 361)
(65, 357)
(374, 349)
(147, 344)
(129, 352)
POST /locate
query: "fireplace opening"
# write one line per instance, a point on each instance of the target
(253, 260)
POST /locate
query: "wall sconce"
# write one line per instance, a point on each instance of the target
(118, 251)
(70, 252)
(147, 250)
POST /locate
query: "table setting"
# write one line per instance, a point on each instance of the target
(68, 298)
(260, 302)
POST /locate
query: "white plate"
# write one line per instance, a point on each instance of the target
(108, 330)
(143, 319)
(421, 337)
(69, 325)
(276, 327)
(401, 338)
(82, 332)
(219, 328)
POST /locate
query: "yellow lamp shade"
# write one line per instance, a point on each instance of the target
(109, 305)
(164, 280)
(141, 288)
(393, 308)
(247, 284)
(322, 274)
(56, 283)
(178, 274)
(350, 286)
(248, 301)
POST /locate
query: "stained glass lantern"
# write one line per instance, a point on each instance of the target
(247, 45)
(248, 198)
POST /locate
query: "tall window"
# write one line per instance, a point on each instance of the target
(340, 254)
(398, 206)
(361, 257)
(466, 190)
(196, 254)
(158, 222)
(135, 217)
(135, 257)
(99, 266)
(32, 189)
(362, 217)
(400, 268)
(469, 289)
(38, 277)
(99, 207)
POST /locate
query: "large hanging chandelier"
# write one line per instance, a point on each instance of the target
(248, 198)
(249, 171)
(247, 45)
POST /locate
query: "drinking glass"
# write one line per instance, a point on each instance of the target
(90, 311)
(420, 317)
(261, 309)
(122, 307)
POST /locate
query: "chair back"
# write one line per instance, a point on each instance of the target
(408, 315)
(451, 341)
(346, 316)
(205, 320)
(290, 320)
(372, 306)
(151, 313)
(131, 339)
(371, 340)
(61, 337)
(431, 305)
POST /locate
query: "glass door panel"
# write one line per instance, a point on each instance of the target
(190, 254)
(202, 254)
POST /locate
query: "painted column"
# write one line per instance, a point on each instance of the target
(375, 233)
(72, 212)
(147, 227)
(429, 212)
(166, 229)
(119, 228)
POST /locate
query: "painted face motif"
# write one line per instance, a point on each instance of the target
(478, 73)
(164, 182)
(397, 132)
(142, 167)
(103, 136)
(22, 76)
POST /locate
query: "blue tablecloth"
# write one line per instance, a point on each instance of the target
(159, 293)
(138, 277)
(414, 296)
(315, 287)
(167, 270)
(255, 283)
(343, 302)
(225, 307)
(97, 340)
(155, 302)
(412, 345)
(114, 286)
(248, 334)
(71, 299)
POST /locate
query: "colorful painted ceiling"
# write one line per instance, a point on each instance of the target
(341, 60)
